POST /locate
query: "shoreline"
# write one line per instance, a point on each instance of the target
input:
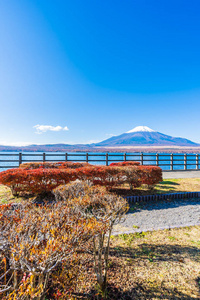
(123, 149)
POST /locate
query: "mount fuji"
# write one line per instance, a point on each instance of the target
(145, 136)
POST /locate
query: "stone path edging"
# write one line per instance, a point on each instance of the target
(170, 196)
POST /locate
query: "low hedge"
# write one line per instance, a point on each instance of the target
(36, 181)
(44, 179)
(125, 164)
(101, 175)
(52, 165)
(151, 175)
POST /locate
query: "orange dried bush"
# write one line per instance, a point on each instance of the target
(107, 208)
(34, 241)
(39, 243)
(72, 190)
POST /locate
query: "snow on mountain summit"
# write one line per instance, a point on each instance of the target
(141, 128)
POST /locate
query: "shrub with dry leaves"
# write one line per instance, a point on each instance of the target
(34, 241)
(107, 208)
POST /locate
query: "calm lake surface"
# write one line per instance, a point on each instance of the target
(11, 159)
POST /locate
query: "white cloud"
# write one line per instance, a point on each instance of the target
(44, 128)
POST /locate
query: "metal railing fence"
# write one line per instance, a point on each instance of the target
(168, 162)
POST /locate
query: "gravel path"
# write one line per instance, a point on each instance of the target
(160, 215)
(181, 174)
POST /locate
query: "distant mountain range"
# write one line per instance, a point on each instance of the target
(145, 136)
(140, 136)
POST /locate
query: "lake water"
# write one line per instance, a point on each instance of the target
(11, 159)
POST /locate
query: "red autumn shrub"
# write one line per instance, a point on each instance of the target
(133, 176)
(87, 173)
(125, 164)
(151, 175)
(53, 165)
(101, 175)
(109, 177)
(36, 181)
(44, 180)
(136, 175)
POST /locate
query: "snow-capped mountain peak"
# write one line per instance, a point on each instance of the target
(141, 128)
(144, 136)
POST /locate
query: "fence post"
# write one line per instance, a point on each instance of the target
(197, 161)
(106, 159)
(157, 159)
(86, 157)
(142, 158)
(20, 158)
(124, 156)
(172, 162)
(185, 161)
(66, 157)
(44, 157)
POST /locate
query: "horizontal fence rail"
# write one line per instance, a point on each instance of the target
(168, 162)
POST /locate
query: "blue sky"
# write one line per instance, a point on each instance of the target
(81, 71)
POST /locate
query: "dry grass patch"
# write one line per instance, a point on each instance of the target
(179, 185)
(6, 195)
(167, 186)
(153, 265)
